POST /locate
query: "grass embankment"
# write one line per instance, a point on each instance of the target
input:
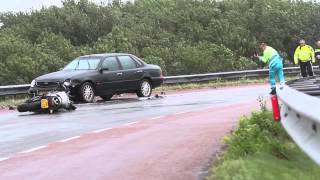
(211, 84)
(11, 101)
(261, 149)
(217, 84)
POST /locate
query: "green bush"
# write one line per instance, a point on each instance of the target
(255, 134)
(259, 148)
(184, 36)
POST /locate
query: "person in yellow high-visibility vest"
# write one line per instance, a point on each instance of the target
(305, 56)
(317, 52)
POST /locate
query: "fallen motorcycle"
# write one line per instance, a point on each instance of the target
(49, 102)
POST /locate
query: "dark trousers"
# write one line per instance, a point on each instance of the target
(306, 68)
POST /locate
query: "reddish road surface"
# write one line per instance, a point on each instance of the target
(176, 146)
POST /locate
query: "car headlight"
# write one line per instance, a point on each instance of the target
(33, 83)
(67, 83)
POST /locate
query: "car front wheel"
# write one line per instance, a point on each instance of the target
(87, 92)
(145, 88)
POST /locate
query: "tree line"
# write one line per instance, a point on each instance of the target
(182, 36)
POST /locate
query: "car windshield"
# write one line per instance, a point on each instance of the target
(83, 64)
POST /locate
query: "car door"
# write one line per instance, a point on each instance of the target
(132, 72)
(110, 76)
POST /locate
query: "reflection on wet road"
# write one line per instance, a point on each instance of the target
(20, 132)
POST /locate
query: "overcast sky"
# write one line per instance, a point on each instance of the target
(27, 5)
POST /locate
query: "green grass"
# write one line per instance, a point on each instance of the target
(215, 84)
(210, 84)
(266, 166)
(261, 149)
(12, 100)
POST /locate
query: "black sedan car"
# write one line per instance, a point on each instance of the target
(102, 75)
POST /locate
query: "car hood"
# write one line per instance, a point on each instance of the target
(60, 76)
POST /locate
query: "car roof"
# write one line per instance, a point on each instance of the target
(106, 54)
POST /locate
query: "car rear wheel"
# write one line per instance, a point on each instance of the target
(107, 97)
(87, 92)
(145, 88)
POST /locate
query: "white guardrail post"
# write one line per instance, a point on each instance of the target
(300, 116)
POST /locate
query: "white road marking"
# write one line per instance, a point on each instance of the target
(33, 149)
(101, 130)
(4, 159)
(128, 124)
(159, 117)
(69, 139)
(180, 113)
(143, 99)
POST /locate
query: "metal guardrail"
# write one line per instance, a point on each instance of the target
(14, 90)
(23, 89)
(227, 75)
(300, 114)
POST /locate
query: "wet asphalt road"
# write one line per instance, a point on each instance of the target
(23, 131)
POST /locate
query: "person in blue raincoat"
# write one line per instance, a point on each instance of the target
(275, 61)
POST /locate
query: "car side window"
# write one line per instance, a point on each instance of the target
(127, 62)
(83, 65)
(111, 64)
(138, 61)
